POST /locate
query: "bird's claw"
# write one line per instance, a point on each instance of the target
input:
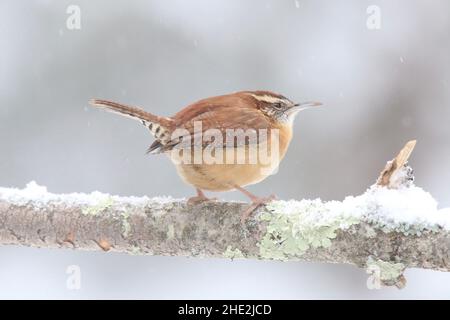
(199, 199)
(256, 203)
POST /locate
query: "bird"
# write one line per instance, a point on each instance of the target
(246, 134)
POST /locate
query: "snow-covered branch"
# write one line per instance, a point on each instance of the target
(392, 226)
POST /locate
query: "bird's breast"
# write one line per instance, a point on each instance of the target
(223, 169)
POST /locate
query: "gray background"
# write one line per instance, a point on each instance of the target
(380, 88)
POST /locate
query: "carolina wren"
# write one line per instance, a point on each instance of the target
(244, 112)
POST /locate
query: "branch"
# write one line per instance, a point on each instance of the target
(394, 225)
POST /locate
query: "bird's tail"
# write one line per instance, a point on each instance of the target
(158, 126)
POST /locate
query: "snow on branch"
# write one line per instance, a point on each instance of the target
(394, 225)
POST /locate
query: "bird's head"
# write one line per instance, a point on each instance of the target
(279, 108)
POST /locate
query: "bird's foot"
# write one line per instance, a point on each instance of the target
(256, 203)
(199, 198)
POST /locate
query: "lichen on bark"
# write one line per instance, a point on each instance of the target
(293, 227)
(388, 228)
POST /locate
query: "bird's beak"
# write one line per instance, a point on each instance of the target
(302, 106)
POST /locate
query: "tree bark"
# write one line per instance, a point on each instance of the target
(164, 226)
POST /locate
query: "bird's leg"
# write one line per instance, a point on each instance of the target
(256, 202)
(199, 198)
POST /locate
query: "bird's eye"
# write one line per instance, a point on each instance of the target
(277, 106)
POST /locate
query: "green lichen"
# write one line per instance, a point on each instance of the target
(386, 271)
(101, 206)
(370, 232)
(126, 227)
(294, 227)
(135, 250)
(232, 254)
(407, 229)
(170, 232)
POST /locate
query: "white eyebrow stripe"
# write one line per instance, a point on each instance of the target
(268, 99)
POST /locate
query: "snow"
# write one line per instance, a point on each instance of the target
(390, 209)
(410, 206)
(40, 197)
(410, 210)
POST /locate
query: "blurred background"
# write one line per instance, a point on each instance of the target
(382, 81)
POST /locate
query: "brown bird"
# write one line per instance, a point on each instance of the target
(222, 143)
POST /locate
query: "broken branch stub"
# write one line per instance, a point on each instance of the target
(392, 175)
(395, 174)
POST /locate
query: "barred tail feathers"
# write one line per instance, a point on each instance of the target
(158, 126)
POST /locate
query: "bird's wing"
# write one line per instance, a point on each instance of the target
(219, 124)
